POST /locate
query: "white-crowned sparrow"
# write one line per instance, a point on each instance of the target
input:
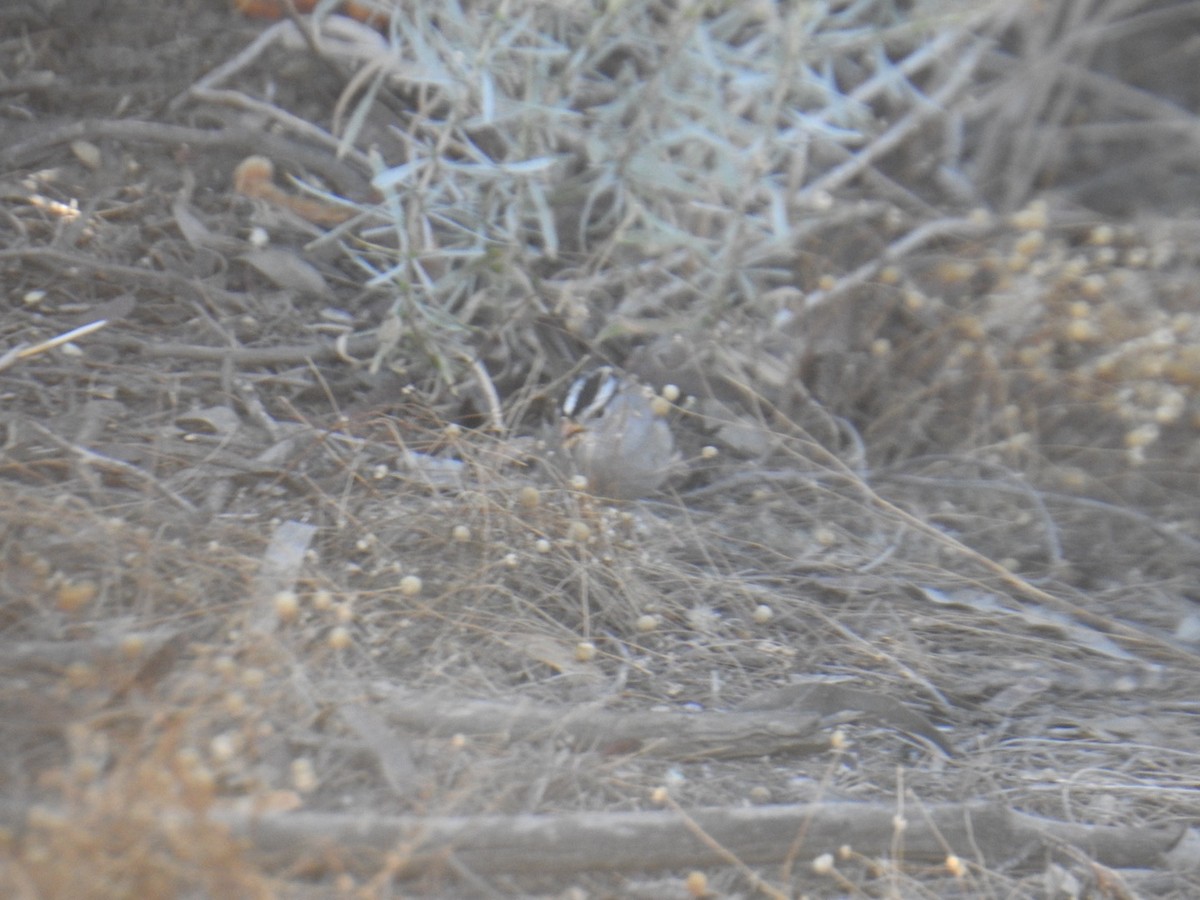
(615, 436)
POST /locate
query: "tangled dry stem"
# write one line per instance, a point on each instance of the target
(956, 469)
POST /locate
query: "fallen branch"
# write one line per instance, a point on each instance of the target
(796, 720)
(987, 834)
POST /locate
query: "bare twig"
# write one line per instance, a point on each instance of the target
(90, 457)
(349, 179)
(17, 354)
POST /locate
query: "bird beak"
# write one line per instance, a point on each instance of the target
(569, 431)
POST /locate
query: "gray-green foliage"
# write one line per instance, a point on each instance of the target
(696, 134)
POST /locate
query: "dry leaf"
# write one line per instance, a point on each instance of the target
(286, 270)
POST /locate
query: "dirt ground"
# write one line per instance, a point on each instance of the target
(298, 597)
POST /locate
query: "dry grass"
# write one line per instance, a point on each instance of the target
(247, 573)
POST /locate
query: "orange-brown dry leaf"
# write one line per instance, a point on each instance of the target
(275, 9)
(254, 176)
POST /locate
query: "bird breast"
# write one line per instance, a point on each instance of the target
(624, 449)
